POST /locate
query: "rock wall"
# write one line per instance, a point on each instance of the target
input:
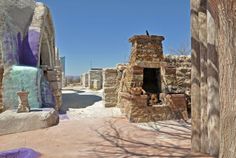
(110, 87)
(54, 77)
(137, 110)
(177, 74)
(146, 51)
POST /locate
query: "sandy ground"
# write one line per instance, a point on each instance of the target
(93, 132)
(79, 98)
(104, 138)
(85, 103)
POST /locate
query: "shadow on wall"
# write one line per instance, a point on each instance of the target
(75, 100)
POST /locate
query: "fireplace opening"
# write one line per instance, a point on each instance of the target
(152, 80)
(152, 85)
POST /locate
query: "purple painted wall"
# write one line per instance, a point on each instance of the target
(30, 49)
(19, 51)
(11, 48)
(24, 51)
(48, 99)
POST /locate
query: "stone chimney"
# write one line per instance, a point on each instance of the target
(146, 51)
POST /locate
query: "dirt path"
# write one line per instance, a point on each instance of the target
(98, 132)
(104, 138)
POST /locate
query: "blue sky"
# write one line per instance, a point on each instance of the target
(95, 33)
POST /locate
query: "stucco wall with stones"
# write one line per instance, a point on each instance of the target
(15, 16)
(112, 84)
(177, 74)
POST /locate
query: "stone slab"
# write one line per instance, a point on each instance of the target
(12, 122)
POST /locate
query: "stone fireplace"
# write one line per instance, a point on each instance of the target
(143, 94)
(146, 62)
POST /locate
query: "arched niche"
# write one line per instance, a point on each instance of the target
(42, 23)
(45, 53)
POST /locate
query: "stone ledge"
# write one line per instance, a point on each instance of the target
(147, 38)
(12, 122)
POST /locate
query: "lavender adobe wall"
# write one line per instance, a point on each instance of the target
(30, 49)
(23, 23)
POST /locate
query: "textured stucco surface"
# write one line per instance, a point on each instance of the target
(27, 41)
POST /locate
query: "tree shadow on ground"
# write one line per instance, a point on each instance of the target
(132, 142)
(74, 100)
